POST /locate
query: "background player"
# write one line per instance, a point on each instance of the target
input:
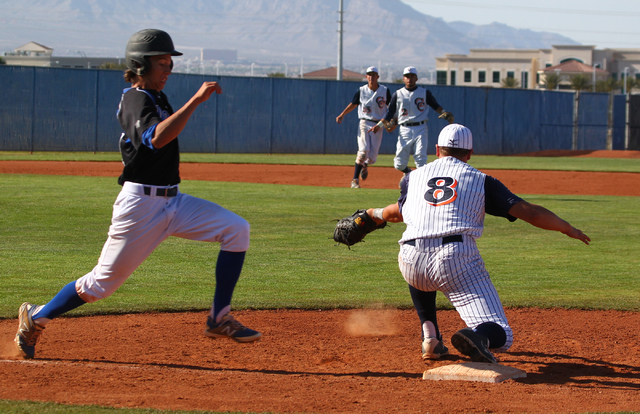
(150, 206)
(410, 107)
(371, 100)
(443, 205)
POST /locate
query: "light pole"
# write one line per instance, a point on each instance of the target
(340, 31)
(624, 80)
(84, 56)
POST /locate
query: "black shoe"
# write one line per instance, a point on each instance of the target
(473, 345)
(229, 327)
(364, 173)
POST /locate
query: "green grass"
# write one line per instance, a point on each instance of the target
(52, 230)
(23, 407)
(385, 160)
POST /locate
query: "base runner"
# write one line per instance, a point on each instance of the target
(150, 206)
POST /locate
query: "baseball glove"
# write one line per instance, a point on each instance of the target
(447, 115)
(391, 125)
(351, 230)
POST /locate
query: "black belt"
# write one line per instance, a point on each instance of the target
(413, 123)
(162, 192)
(456, 238)
(373, 120)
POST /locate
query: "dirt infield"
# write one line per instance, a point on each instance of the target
(518, 181)
(338, 361)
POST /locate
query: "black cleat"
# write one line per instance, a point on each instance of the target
(473, 345)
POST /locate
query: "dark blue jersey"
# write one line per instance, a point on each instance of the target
(140, 111)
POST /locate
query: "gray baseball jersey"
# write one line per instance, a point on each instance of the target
(373, 104)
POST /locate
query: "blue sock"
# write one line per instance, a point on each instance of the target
(425, 304)
(228, 270)
(66, 300)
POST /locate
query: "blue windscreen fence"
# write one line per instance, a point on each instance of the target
(57, 109)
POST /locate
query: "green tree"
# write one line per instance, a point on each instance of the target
(275, 75)
(113, 66)
(580, 82)
(551, 81)
(510, 83)
(607, 85)
(2, 62)
(632, 83)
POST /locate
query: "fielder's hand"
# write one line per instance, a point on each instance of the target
(448, 116)
(391, 125)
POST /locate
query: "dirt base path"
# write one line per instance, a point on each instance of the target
(337, 361)
(518, 181)
(325, 362)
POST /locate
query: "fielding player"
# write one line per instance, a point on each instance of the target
(150, 206)
(443, 205)
(371, 100)
(409, 106)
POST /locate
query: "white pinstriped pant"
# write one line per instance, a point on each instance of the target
(458, 271)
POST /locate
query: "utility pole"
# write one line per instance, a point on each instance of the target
(340, 31)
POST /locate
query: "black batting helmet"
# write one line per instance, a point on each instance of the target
(147, 42)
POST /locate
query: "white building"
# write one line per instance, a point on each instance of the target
(35, 54)
(488, 67)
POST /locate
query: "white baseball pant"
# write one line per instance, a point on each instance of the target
(458, 271)
(411, 140)
(141, 222)
(368, 143)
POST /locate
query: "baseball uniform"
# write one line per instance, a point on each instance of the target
(411, 107)
(372, 107)
(150, 206)
(443, 205)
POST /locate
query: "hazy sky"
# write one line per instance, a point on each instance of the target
(613, 24)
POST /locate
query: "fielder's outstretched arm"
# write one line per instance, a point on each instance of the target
(545, 219)
(390, 213)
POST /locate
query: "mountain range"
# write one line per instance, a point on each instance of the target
(380, 32)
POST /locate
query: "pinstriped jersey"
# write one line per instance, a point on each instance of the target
(373, 104)
(448, 196)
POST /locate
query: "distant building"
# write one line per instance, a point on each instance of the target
(331, 73)
(223, 55)
(487, 67)
(35, 54)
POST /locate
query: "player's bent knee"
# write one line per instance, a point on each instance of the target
(237, 235)
(91, 287)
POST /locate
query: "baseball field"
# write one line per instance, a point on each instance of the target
(339, 332)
